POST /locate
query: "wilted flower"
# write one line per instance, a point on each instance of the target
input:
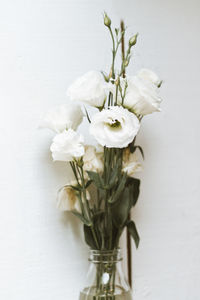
(67, 146)
(63, 117)
(67, 199)
(115, 127)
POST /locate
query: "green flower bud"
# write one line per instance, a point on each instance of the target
(107, 20)
(110, 74)
(160, 83)
(133, 40)
(80, 162)
(117, 82)
(126, 63)
(106, 77)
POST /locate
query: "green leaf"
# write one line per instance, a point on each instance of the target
(117, 31)
(88, 183)
(121, 209)
(76, 188)
(134, 189)
(106, 77)
(127, 199)
(113, 176)
(141, 150)
(96, 178)
(134, 148)
(98, 221)
(89, 237)
(131, 145)
(80, 216)
(119, 190)
(87, 115)
(160, 83)
(133, 232)
(98, 213)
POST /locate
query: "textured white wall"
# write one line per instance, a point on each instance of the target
(44, 45)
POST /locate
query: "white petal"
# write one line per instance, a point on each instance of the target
(102, 128)
(63, 117)
(67, 145)
(89, 88)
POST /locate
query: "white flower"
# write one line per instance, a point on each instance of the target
(67, 146)
(141, 96)
(89, 89)
(67, 198)
(149, 75)
(130, 164)
(93, 160)
(115, 127)
(63, 117)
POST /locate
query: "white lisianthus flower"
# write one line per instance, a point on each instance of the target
(149, 75)
(67, 146)
(88, 89)
(92, 159)
(63, 117)
(130, 164)
(115, 127)
(67, 198)
(141, 96)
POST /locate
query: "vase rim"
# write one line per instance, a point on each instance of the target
(116, 250)
(97, 256)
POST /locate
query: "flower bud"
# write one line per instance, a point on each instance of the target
(160, 83)
(126, 62)
(117, 82)
(107, 20)
(105, 76)
(110, 74)
(133, 40)
(79, 162)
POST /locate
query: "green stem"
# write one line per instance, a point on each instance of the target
(123, 97)
(80, 170)
(72, 164)
(113, 53)
(117, 87)
(123, 66)
(79, 197)
(109, 99)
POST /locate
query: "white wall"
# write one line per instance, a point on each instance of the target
(44, 45)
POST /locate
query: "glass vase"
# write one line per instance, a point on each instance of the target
(105, 279)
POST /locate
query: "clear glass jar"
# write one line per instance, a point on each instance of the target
(105, 279)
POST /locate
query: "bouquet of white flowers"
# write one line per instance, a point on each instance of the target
(121, 102)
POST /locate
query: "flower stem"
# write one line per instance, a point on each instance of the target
(113, 53)
(72, 164)
(80, 170)
(123, 49)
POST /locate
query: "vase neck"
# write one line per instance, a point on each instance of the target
(105, 256)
